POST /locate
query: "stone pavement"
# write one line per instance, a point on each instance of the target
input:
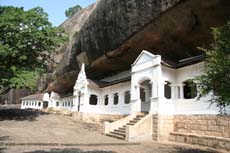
(49, 133)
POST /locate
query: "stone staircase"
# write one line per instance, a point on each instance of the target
(120, 133)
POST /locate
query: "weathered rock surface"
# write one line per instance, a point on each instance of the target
(114, 32)
(63, 56)
(13, 96)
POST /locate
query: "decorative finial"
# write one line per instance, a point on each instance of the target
(83, 67)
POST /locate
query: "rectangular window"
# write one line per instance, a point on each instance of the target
(106, 100)
(115, 98)
(127, 97)
(93, 100)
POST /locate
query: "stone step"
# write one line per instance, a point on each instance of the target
(118, 133)
(116, 136)
(140, 116)
(135, 121)
(130, 124)
(120, 130)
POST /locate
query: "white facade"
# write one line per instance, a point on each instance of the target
(153, 87)
(34, 104)
(104, 102)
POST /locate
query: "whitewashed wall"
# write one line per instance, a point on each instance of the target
(101, 108)
(146, 67)
(189, 106)
(65, 103)
(34, 104)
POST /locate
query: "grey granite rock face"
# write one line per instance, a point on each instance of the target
(112, 33)
(114, 21)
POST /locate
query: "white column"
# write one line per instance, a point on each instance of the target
(154, 90)
(75, 99)
(136, 103)
(157, 89)
(181, 91)
(122, 98)
(173, 91)
(110, 100)
(161, 87)
(137, 89)
(84, 100)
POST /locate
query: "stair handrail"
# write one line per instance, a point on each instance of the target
(116, 124)
(132, 131)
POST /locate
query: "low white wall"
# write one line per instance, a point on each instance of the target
(119, 123)
(193, 106)
(141, 131)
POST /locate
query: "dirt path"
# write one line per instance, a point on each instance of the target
(48, 133)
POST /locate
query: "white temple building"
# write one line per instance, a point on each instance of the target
(151, 86)
(147, 102)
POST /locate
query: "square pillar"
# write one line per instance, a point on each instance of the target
(136, 101)
(181, 87)
(161, 88)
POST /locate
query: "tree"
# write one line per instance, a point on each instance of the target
(72, 10)
(216, 78)
(26, 40)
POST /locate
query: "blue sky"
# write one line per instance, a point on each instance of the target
(55, 8)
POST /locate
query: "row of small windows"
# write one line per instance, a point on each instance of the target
(29, 103)
(93, 100)
(65, 104)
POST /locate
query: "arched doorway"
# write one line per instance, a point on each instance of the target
(145, 95)
(45, 104)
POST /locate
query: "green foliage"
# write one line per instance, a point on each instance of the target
(26, 40)
(24, 79)
(216, 79)
(72, 10)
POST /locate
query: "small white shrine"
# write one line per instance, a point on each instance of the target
(152, 86)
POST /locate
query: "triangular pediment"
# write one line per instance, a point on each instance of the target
(144, 57)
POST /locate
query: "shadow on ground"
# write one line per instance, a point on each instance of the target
(2, 150)
(70, 150)
(19, 114)
(3, 138)
(192, 150)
